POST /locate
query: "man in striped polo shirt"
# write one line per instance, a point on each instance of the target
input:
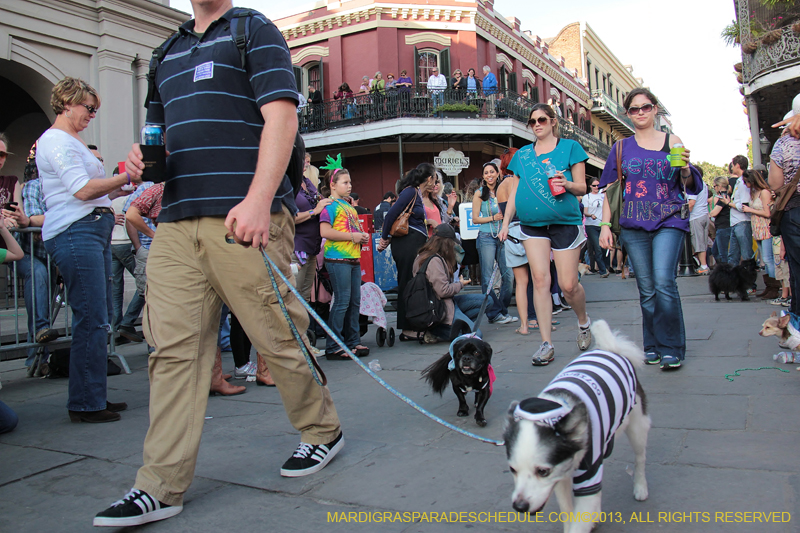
(229, 134)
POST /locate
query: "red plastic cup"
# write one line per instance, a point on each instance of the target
(556, 189)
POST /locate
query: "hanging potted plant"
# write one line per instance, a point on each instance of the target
(771, 37)
(750, 47)
(738, 67)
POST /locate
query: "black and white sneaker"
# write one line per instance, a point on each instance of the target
(310, 458)
(134, 509)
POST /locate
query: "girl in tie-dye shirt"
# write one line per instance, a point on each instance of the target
(340, 227)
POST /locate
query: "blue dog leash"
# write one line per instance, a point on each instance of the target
(271, 269)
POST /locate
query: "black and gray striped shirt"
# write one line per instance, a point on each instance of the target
(606, 383)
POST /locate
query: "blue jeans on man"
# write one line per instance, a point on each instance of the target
(741, 246)
(343, 317)
(491, 250)
(122, 259)
(790, 232)
(437, 99)
(82, 253)
(655, 255)
(37, 299)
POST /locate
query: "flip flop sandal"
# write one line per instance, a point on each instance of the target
(361, 351)
(407, 338)
(337, 356)
(518, 331)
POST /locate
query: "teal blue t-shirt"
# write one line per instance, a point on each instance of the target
(535, 204)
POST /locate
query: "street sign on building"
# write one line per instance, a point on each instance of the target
(451, 162)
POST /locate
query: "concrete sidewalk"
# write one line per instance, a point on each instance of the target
(716, 446)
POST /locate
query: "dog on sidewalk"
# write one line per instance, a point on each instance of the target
(468, 367)
(558, 440)
(726, 278)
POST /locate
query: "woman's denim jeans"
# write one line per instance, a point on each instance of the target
(721, 243)
(655, 255)
(8, 418)
(765, 249)
(595, 251)
(467, 308)
(343, 318)
(82, 253)
(490, 249)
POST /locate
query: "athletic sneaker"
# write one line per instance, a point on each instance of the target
(557, 309)
(134, 509)
(243, 372)
(703, 271)
(310, 458)
(584, 337)
(652, 358)
(544, 355)
(504, 319)
(670, 362)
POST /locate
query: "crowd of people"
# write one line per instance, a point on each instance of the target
(539, 215)
(378, 97)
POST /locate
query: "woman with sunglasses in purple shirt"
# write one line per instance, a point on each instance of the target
(654, 222)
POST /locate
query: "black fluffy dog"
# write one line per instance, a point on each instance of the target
(471, 358)
(728, 278)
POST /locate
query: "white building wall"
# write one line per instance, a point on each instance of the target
(108, 43)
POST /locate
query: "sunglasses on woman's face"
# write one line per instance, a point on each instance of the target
(635, 110)
(540, 120)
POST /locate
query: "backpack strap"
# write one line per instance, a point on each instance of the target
(239, 27)
(156, 59)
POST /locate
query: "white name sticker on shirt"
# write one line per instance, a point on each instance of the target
(204, 71)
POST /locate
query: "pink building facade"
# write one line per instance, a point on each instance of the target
(379, 136)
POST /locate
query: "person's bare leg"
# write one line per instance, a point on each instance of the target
(567, 268)
(521, 295)
(538, 252)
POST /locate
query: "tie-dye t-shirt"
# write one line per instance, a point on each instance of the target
(342, 217)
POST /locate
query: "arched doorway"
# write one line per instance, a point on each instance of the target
(27, 112)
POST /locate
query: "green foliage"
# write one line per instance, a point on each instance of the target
(465, 108)
(711, 171)
(730, 34)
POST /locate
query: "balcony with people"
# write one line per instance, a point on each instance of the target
(611, 112)
(477, 111)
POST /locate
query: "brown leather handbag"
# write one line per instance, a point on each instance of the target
(782, 196)
(400, 226)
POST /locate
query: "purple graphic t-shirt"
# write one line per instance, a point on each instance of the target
(653, 191)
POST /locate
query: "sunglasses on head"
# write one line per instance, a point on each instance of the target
(635, 110)
(540, 120)
(90, 108)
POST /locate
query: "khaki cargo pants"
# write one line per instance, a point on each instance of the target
(191, 271)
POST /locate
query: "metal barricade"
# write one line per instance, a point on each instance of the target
(17, 348)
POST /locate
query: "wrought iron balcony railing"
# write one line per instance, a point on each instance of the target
(759, 26)
(368, 108)
(608, 108)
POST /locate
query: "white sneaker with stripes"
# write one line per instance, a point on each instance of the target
(134, 509)
(310, 458)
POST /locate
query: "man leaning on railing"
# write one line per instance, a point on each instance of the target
(33, 266)
(437, 84)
